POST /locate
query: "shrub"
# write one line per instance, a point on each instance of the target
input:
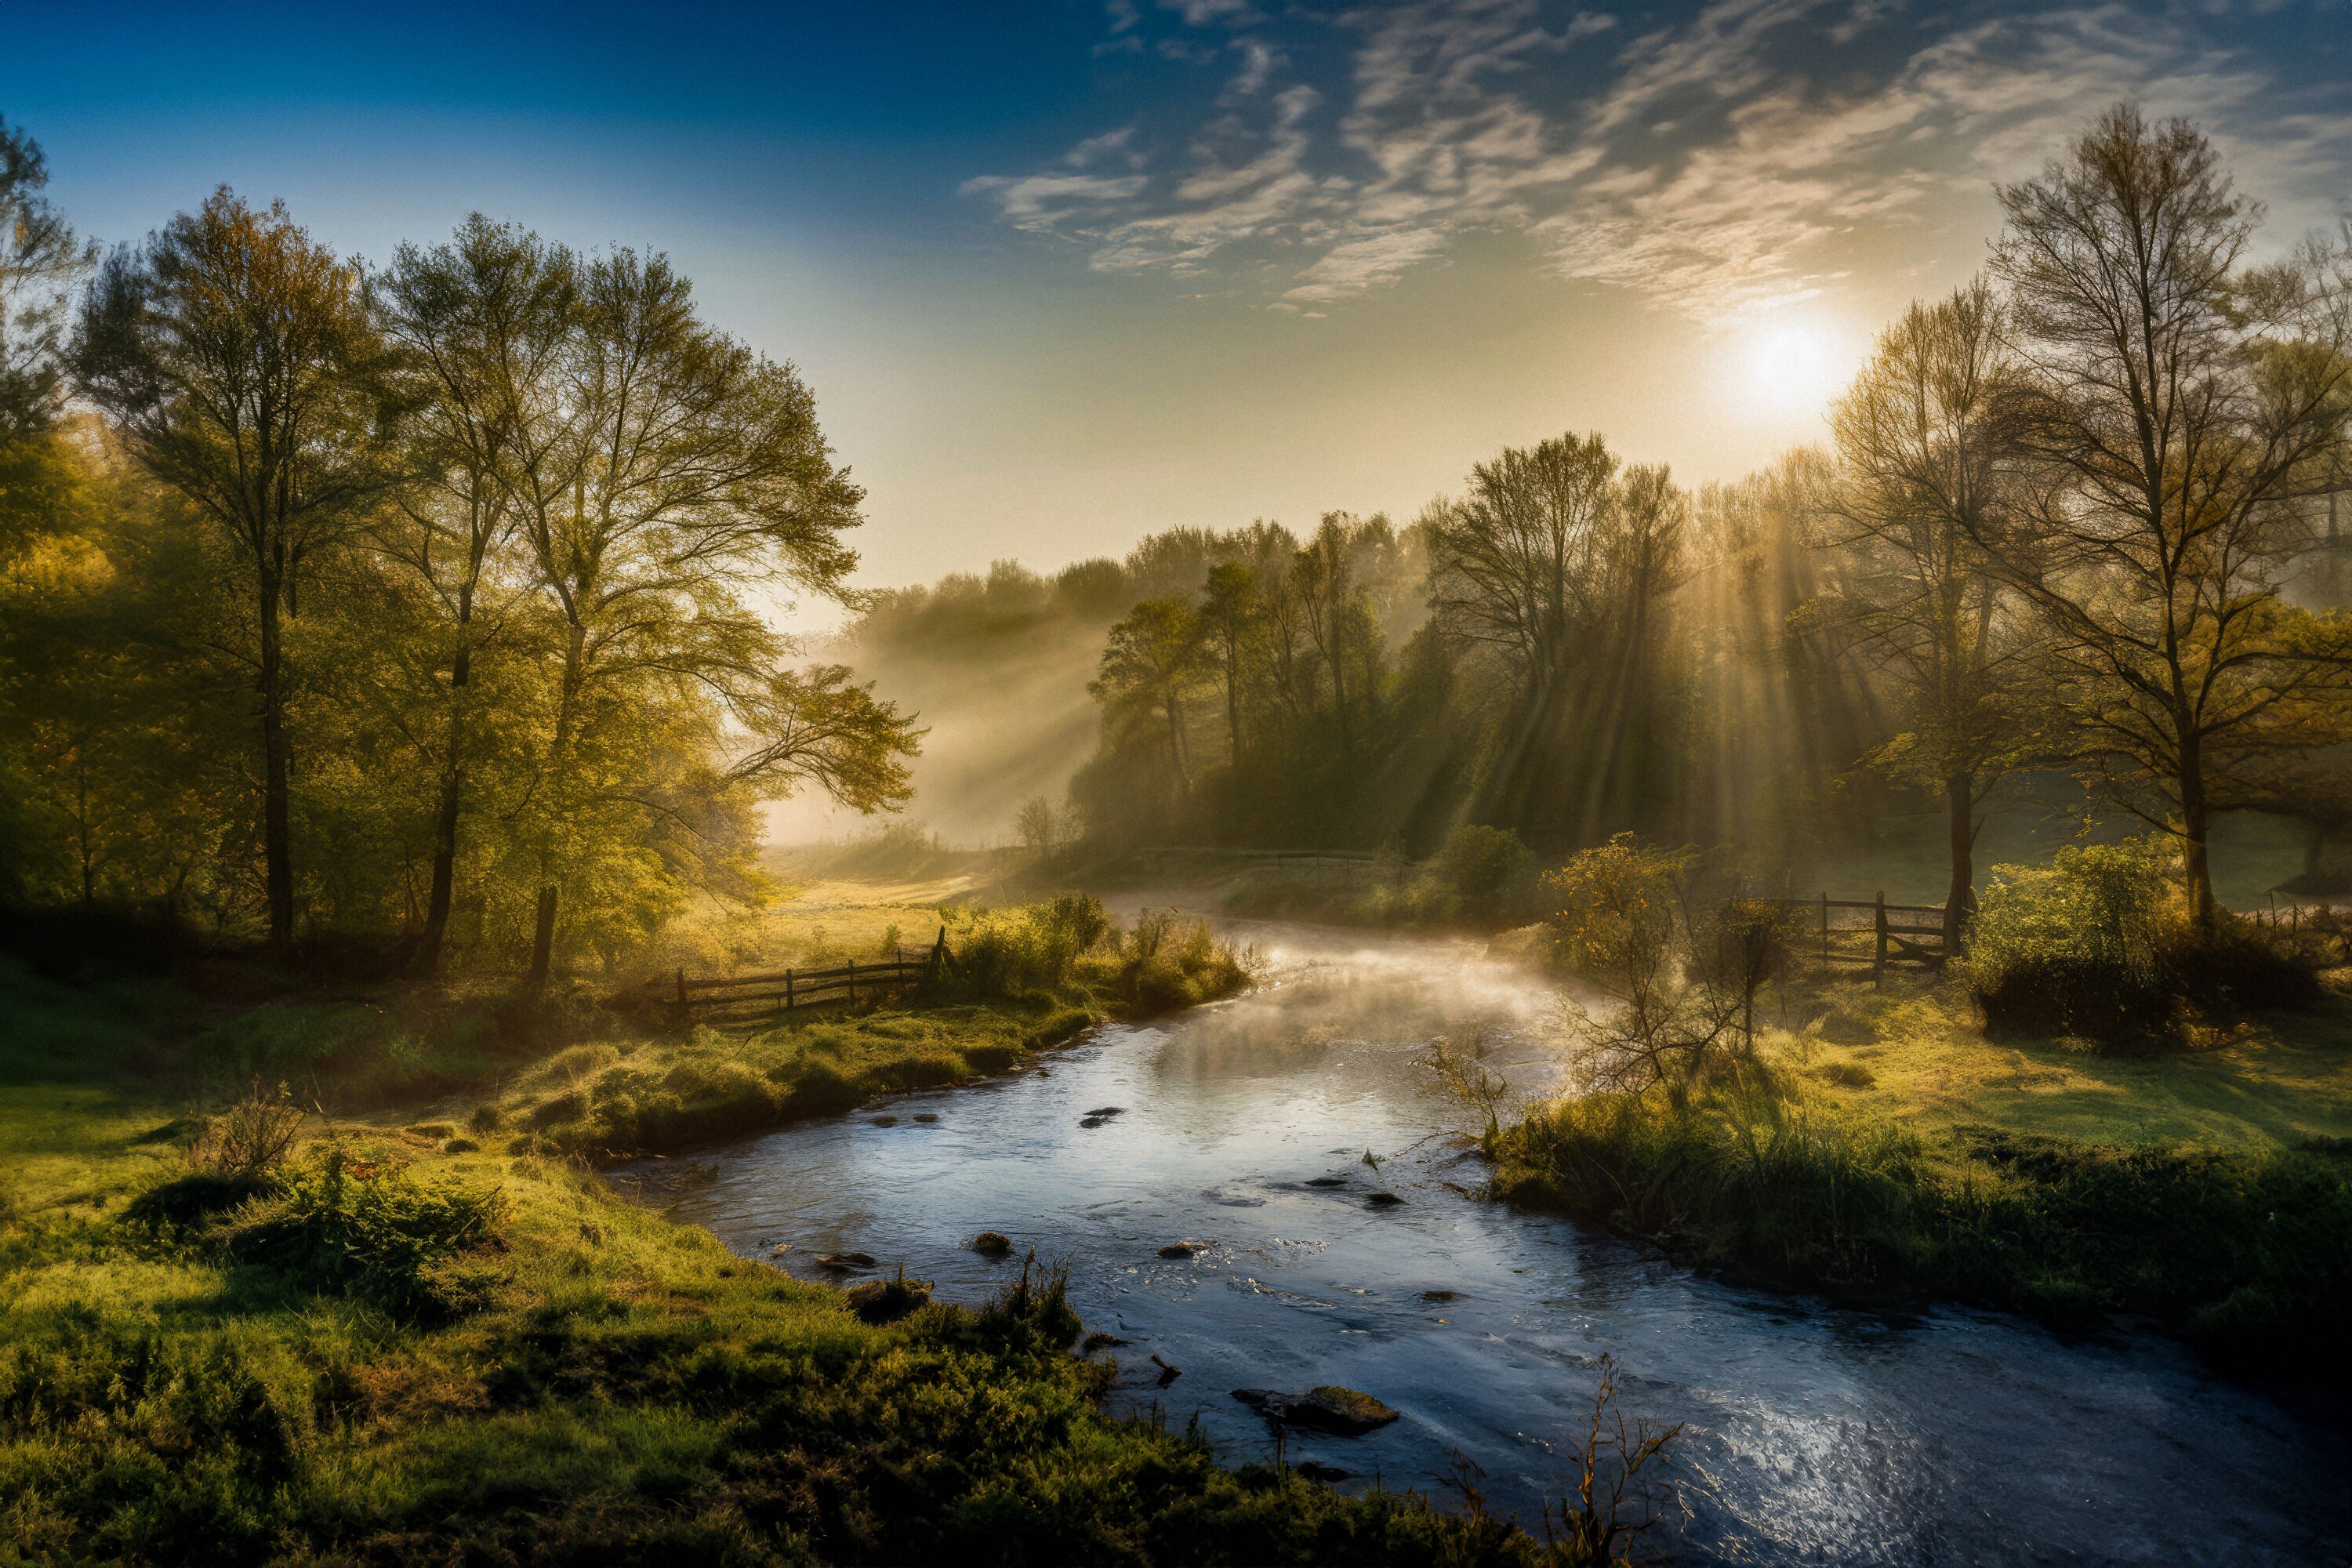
(2077, 948)
(357, 1227)
(1479, 864)
(2097, 946)
(252, 1136)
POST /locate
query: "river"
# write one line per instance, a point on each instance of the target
(1809, 1434)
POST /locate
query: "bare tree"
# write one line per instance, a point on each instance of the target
(2171, 397)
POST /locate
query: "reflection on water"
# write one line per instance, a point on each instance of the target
(1809, 1435)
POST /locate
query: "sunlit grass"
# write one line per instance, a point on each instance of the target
(2270, 1079)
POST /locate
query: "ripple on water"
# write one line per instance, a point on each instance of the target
(1809, 1435)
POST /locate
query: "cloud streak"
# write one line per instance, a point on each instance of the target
(1715, 167)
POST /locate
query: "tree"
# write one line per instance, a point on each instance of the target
(39, 260)
(2170, 398)
(479, 321)
(1926, 470)
(237, 357)
(1153, 662)
(1228, 617)
(657, 468)
(1552, 565)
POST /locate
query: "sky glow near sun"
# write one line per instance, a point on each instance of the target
(1792, 368)
(1065, 277)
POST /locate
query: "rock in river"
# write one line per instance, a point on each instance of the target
(1383, 1200)
(1330, 1408)
(842, 1262)
(992, 1243)
(1180, 1250)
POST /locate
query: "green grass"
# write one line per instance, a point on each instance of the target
(1904, 1157)
(2249, 1083)
(302, 1380)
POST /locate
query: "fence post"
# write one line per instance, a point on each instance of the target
(788, 990)
(849, 967)
(1825, 929)
(939, 952)
(1878, 964)
(681, 996)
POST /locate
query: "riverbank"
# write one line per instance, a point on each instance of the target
(1888, 1153)
(407, 1337)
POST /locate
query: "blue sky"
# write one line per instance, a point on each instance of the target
(1065, 273)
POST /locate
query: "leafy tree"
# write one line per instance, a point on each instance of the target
(235, 356)
(662, 468)
(1152, 663)
(2171, 396)
(479, 321)
(1228, 617)
(40, 258)
(1928, 471)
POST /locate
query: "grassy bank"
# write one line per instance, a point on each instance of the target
(421, 1335)
(1904, 1157)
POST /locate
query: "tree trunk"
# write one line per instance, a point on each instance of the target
(276, 838)
(444, 871)
(543, 940)
(1176, 747)
(445, 822)
(2197, 872)
(542, 943)
(1960, 897)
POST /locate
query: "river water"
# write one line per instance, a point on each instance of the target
(1809, 1434)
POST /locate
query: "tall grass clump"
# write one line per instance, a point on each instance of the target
(1070, 947)
(2248, 1251)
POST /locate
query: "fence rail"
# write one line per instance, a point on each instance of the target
(735, 997)
(1878, 942)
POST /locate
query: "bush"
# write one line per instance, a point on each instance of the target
(2077, 948)
(357, 1227)
(252, 1137)
(2098, 946)
(1479, 865)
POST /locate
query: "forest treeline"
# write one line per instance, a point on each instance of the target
(414, 608)
(2079, 519)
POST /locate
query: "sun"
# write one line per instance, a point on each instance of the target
(1793, 367)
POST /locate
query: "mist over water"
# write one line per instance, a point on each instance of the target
(1811, 1435)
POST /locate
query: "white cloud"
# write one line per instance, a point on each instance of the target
(1717, 166)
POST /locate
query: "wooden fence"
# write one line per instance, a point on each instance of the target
(737, 998)
(1874, 932)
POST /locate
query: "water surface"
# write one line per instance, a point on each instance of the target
(1809, 1435)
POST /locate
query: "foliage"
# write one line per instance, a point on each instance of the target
(252, 1137)
(2101, 945)
(1480, 864)
(371, 1229)
(2080, 947)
